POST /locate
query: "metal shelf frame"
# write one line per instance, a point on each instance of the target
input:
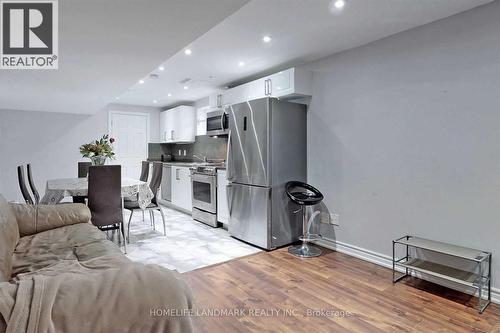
(479, 279)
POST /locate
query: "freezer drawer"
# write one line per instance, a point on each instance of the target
(250, 214)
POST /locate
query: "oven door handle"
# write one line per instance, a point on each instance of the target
(202, 178)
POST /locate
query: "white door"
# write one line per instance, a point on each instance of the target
(131, 134)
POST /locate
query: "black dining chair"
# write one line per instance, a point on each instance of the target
(154, 185)
(83, 171)
(144, 171)
(105, 200)
(22, 185)
(36, 195)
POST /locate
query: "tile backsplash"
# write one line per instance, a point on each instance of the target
(212, 148)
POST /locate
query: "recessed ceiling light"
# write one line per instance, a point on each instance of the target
(169, 95)
(187, 51)
(161, 68)
(241, 63)
(141, 81)
(186, 87)
(117, 97)
(266, 39)
(155, 101)
(339, 4)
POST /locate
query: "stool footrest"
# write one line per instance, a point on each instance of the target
(310, 237)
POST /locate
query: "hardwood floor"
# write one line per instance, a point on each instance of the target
(347, 294)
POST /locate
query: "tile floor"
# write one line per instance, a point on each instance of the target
(188, 244)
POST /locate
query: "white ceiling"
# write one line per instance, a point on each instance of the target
(107, 45)
(302, 31)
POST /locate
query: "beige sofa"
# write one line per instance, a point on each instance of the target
(59, 273)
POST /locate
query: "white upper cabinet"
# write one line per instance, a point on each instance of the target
(178, 125)
(256, 89)
(215, 101)
(235, 95)
(289, 84)
(281, 84)
(163, 126)
(201, 120)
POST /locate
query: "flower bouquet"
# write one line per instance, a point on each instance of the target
(99, 151)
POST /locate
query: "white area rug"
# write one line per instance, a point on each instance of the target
(188, 245)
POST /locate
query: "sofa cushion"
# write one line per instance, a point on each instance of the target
(62, 246)
(34, 219)
(9, 236)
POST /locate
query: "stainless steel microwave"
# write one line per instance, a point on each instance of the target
(217, 123)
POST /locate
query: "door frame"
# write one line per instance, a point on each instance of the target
(148, 116)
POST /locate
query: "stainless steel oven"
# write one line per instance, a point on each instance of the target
(217, 123)
(204, 184)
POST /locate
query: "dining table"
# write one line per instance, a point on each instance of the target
(58, 189)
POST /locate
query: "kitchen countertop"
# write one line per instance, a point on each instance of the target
(221, 166)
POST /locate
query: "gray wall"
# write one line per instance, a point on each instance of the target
(404, 135)
(50, 142)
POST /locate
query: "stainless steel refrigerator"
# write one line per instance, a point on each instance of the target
(266, 149)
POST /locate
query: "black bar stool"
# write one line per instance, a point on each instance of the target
(304, 195)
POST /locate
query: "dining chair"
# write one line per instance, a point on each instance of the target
(36, 195)
(144, 171)
(105, 200)
(154, 185)
(144, 178)
(22, 185)
(83, 171)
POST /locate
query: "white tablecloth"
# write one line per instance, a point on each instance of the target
(58, 189)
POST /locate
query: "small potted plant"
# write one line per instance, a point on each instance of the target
(99, 150)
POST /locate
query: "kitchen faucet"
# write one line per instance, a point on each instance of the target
(204, 158)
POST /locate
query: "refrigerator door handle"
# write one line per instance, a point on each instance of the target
(229, 196)
(229, 159)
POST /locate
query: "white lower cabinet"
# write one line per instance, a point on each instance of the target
(181, 188)
(222, 208)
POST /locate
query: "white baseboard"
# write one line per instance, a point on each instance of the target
(386, 261)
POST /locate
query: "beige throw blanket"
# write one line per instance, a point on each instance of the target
(83, 299)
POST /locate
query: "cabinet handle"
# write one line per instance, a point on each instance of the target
(270, 87)
(265, 88)
(171, 134)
